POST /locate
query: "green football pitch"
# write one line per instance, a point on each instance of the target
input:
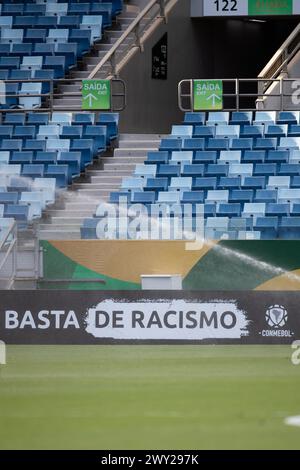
(149, 397)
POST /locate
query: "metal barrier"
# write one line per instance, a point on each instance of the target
(278, 63)
(248, 94)
(118, 95)
(8, 255)
(153, 13)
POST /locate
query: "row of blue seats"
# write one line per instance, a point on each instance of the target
(19, 36)
(224, 227)
(212, 156)
(109, 120)
(241, 117)
(114, 7)
(212, 143)
(236, 131)
(260, 183)
(36, 42)
(66, 21)
(214, 169)
(232, 195)
(97, 132)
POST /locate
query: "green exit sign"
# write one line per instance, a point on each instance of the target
(270, 7)
(207, 95)
(96, 95)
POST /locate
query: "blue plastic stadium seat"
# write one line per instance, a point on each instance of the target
(229, 182)
(142, 197)
(185, 156)
(277, 156)
(18, 212)
(267, 226)
(83, 119)
(252, 131)
(218, 117)
(265, 169)
(98, 135)
(217, 144)
(295, 182)
(60, 173)
(288, 117)
(266, 195)
(38, 119)
(111, 121)
(207, 156)
(289, 169)
(204, 132)
(157, 158)
(168, 170)
(194, 144)
(194, 118)
(276, 130)
(33, 144)
(47, 158)
(279, 210)
(229, 210)
(265, 143)
(217, 170)
(24, 132)
(85, 146)
(171, 144)
(289, 228)
(241, 144)
(192, 197)
(33, 171)
(265, 117)
(156, 184)
(115, 197)
(295, 210)
(9, 197)
(205, 183)
(241, 117)
(289, 143)
(294, 130)
(254, 156)
(241, 195)
(21, 157)
(254, 182)
(196, 169)
(71, 132)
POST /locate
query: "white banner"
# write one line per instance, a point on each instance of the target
(164, 319)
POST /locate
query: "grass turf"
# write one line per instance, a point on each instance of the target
(149, 397)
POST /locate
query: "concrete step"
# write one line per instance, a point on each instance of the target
(69, 213)
(129, 167)
(126, 158)
(67, 220)
(51, 234)
(114, 180)
(133, 144)
(134, 153)
(81, 206)
(65, 227)
(107, 173)
(101, 186)
(98, 194)
(142, 137)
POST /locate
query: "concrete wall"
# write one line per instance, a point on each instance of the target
(197, 48)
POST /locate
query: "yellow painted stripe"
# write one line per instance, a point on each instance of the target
(128, 259)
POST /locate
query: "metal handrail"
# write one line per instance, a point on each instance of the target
(47, 104)
(186, 95)
(282, 56)
(132, 28)
(11, 231)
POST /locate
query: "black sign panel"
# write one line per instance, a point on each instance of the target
(89, 317)
(160, 59)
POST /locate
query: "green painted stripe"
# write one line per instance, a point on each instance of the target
(243, 264)
(59, 266)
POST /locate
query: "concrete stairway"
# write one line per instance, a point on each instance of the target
(63, 220)
(89, 62)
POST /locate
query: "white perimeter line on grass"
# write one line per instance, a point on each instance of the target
(292, 421)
